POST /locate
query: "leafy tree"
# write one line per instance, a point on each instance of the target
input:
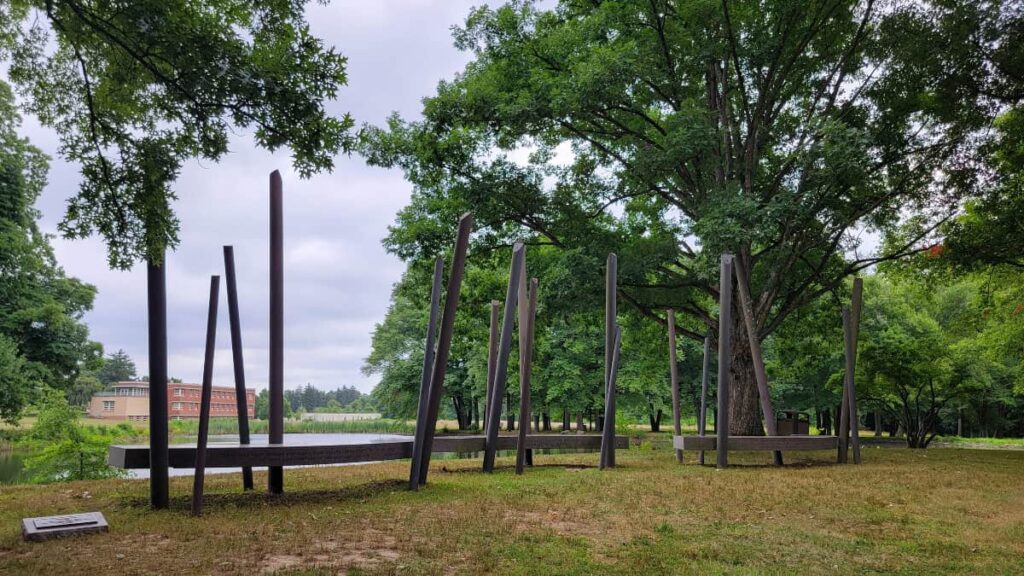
(117, 367)
(673, 132)
(82, 391)
(66, 450)
(43, 341)
(136, 89)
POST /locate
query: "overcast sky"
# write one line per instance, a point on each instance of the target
(338, 278)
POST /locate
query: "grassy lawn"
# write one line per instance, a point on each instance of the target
(934, 511)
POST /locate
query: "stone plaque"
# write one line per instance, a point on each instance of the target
(47, 527)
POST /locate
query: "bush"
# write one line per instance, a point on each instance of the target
(65, 450)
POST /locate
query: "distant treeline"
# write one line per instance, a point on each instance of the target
(344, 399)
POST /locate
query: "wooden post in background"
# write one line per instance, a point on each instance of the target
(205, 399)
(444, 340)
(527, 318)
(275, 474)
(237, 361)
(724, 361)
(611, 314)
(754, 339)
(702, 418)
(501, 369)
(422, 408)
(673, 371)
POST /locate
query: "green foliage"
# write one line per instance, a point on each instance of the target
(43, 340)
(136, 89)
(64, 450)
(117, 367)
(672, 132)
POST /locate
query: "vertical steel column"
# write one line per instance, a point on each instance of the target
(527, 320)
(275, 479)
(854, 332)
(156, 296)
(724, 360)
(501, 369)
(610, 327)
(428, 364)
(444, 341)
(204, 402)
(770, 424)
(492, 358)
(673, 371)
(241, 402)
(702, 418)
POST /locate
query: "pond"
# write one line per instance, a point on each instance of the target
(11, 465)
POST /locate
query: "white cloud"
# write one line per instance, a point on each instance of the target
(338, 278)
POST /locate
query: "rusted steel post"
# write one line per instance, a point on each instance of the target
(854, 332)
(492, 358)
(275, 474)
(204, 402)
(843, 429)
(756, 355)
(611, 314)
(156, 296)
(501, 368)
(444, 339)
(724, 360)
(673, 371)
(237, 361)
(702, 418)
(428, 364)
(608, 432)
(527, 317)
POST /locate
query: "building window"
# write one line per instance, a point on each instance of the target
(179, 392)
(108, 405)
(175, 405)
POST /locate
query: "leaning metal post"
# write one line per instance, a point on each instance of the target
(205, 399)
(724, 361)
(241, 402)
(428, 364)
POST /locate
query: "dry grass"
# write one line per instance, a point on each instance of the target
(935, 511)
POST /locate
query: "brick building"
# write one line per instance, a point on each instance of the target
(130, 401)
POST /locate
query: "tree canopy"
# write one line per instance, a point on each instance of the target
(135, 89)
(43, 339)
(672, 132)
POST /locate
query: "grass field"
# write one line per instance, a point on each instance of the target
(902, 511)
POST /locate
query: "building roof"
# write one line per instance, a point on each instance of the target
(145, 384)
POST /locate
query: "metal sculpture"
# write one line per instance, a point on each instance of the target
(275, 477)
(527, 321)
(237, 361)
(428, 364)
(444, 341)
(610, 330)
(156, 303)
(501, 368)
(204, 402)
(673, 368)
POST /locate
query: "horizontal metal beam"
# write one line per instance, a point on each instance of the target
(237, 455)
(757, 443)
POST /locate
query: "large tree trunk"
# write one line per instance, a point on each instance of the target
(744, 405)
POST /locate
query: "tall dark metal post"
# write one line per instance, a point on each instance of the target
(423, 407)
(527, 320)
(444, 339)
(673, 370)
(854, 332)
(754, 340)
(156, 296)
(724, 361)
(610, 326)
(492, 358)
(501, 369)
(205, 399)
(702, 418)
(275, 479)
(241, 402)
